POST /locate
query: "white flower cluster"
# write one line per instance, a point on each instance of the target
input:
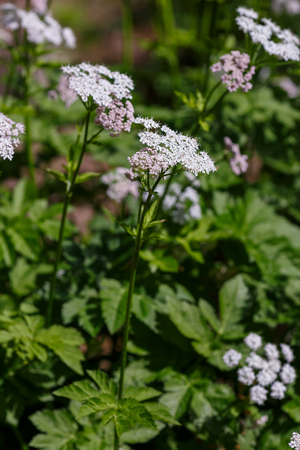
(285, 45)
(260, 373)
(295, 441)
(9, 136)
(99, 82)
(119, 186)
(39, 29)
(183, 204)
(172, 148)
(39, 6)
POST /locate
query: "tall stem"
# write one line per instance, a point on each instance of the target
(69, 192)
(134, 264)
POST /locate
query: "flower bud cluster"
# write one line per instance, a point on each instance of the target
(116, 117)
(39, 29)
(285, 45)
(261, 373)
(119, 186)
(235, 66)
(9, 136)
(238, 162)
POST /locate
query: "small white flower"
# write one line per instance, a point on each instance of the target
(295, 441)
(278, 390)
(253, 341)
(256, 362)
(275, 365)
(246, 375)
(287, 352)
(247, 12)
(119, 186)
(258, 394)
(9, 136)
(266, 377)
(288, 374)
(271, 351)
(232, 358)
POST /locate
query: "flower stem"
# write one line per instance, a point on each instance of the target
(28, 147)
(68, 196)
(134, 264)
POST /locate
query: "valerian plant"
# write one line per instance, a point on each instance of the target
(144, 328)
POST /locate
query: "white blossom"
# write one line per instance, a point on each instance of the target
(295, 441)
(287, 352)
(247, 12)
(176, 148)
(39, 29)
(290, 6)
(271, 351)
(278, 390)
(232, 358)
(253, 341)
(256, 362)
(9, 136)
(285, 45)
(246, 375)
(258, 394)
(275, 365)
(266, 377)
(98, 82)
(288, 374)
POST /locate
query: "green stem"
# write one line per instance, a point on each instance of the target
(217, 102)
(134, 264)
(127, 34)
(209, 96)
(69, 192)
(161, 200)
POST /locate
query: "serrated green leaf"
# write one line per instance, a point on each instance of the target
(113, 304)
(141, 393)
(130, 230)
(106, 385)
(65, 344)
(160, 412)
(138, 411)
(80, 391)
(96, 404)
(208, 312)
(20, 244)
(233, 297)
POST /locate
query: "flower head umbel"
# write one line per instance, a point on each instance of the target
(237, 73)
(118, 186)
(263, 373)
(99, 82)
(39, 29)
(238, 162)
(9, 136)
(295, 441)
(165, 149)
(285, 45)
